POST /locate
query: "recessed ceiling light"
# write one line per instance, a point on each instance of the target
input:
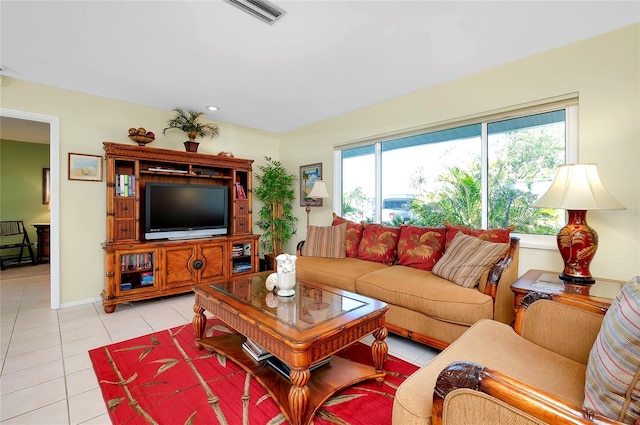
(213, 108)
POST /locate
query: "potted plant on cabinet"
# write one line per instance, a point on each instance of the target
(276, 190)
(189, 123)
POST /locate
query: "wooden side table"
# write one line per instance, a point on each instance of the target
(42, 232)
(548, 282)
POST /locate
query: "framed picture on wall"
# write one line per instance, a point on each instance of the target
(308, 176)
(85, 167)
(46, 186)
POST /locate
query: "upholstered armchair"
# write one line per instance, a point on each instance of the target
(535, 373)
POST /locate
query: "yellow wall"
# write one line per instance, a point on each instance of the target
(604, 71)
(85, 122)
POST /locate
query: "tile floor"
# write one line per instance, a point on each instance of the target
(46, 375)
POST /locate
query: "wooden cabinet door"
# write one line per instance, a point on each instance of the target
(214, 259)
(189, 265)
(179, 265)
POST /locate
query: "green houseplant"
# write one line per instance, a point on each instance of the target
(188, 122)
(276, 190)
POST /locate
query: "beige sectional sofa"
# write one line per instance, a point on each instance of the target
(422, 305)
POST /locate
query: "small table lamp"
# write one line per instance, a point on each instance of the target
(318, 191)
(577, 188)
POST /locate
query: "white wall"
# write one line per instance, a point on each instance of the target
(604, 71)
(85, 122)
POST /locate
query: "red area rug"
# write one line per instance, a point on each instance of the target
(162, 378)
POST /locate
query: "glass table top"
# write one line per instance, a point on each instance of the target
(307, 308)
(603, 288)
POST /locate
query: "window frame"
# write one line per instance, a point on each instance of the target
(569, 103)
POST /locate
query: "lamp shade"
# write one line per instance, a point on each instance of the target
(578, 187)
(319, 190)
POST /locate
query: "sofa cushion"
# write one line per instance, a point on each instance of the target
(489, 235)
(326, 241)
(337, 272)
(353, 235)
(496, 346)
(613, 371)
(467, 258)
(379, 243)
(421, 247)
(422, 291)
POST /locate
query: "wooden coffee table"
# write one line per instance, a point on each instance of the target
(316, 323)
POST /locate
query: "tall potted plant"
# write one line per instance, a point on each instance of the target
(189, 123)
(276, 190)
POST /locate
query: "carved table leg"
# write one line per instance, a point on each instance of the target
(379, 350)
(299, 394)
(199, 323)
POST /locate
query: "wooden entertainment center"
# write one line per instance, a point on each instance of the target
(137, 269)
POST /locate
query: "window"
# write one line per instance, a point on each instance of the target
(485, 173)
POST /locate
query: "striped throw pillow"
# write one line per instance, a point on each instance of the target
(612, 382)
(466, 258)
(325, 241)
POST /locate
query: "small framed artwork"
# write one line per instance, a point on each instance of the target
(85, 167)
(46, 186)
(308, 176)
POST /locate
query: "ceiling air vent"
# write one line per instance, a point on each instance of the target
(260, 9)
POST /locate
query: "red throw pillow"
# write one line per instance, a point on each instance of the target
(379, 243)
(352, 237)
(421, 247)
(489, 235)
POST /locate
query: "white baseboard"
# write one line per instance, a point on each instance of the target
(81, 302)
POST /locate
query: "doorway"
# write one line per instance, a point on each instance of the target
(54, 165)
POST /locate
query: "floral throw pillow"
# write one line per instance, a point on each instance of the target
(379, 243)
(489, 235)
(421, 247)
(352, 237)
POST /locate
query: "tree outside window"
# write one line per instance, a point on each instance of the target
(442, 173)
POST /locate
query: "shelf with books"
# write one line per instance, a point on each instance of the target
(240, 192)
(137, 271)
(242, 260)
(125, 185)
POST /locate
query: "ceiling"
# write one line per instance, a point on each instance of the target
(322, 59)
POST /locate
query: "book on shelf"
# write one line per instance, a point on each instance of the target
(283, 369)
(146, 278)
(240, 193)
(133, 262)
(125, 185)
(241, 267)
(237, 251)
(255, 351)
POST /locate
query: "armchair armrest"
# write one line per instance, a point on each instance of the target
(514, 399)
(563, 323)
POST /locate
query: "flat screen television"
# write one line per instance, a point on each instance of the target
(185, 211)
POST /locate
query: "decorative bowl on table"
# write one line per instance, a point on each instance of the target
(141, 136)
